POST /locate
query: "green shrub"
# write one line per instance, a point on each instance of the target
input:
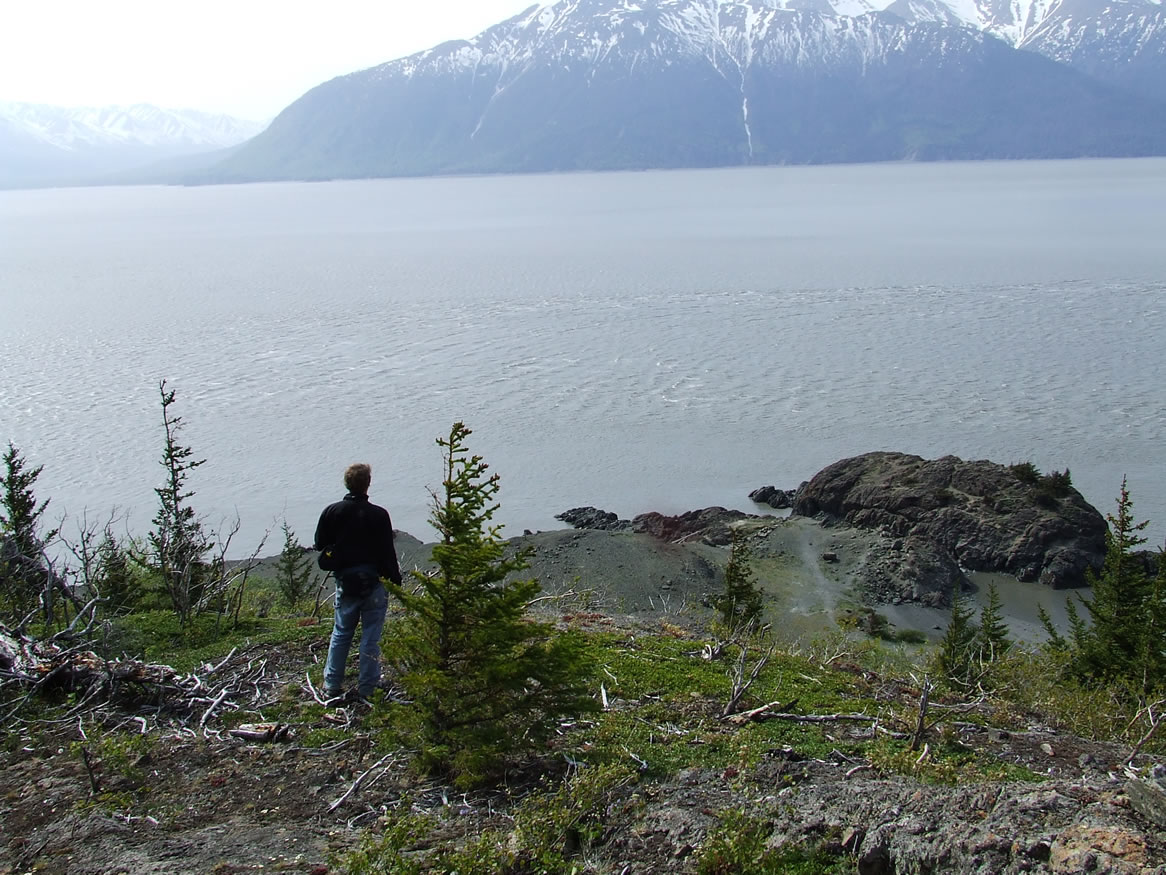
(1026, 472)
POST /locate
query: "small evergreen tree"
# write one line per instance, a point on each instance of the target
(740, 604)
(992, 635)
(26, 580)
(1154, 654)
(294, 572)
(115, 576)
(484, 677)
(179, 546)
(955, 659)
(1115, 643)
(1126, 638)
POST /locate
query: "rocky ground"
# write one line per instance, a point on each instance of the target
(197, 800)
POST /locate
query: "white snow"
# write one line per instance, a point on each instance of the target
(72, 128)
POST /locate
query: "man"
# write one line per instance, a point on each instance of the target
(359, 536)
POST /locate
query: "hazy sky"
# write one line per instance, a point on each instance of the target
(250, 58)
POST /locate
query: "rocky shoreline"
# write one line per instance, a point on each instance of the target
(914, 531)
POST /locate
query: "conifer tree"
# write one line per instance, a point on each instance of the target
(1154, 655)
(740, 604)
(954, 659)
(115, 577)
(25, 578)
(992, 634)
(1126, 638)
(179, 547)
(294, 573)
(485, 678)
(1116, 643)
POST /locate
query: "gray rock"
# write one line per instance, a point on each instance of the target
(981, 514)
(774, 497)
(593, 518)
(1148, 798)
(711, 525)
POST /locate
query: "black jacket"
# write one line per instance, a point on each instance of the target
(361, 533)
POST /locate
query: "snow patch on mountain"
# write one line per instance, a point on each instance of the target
(84, 128)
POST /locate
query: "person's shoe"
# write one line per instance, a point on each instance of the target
(329, 694)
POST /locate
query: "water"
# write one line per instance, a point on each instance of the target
(637, 341)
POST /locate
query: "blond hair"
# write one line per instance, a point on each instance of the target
(357, 478)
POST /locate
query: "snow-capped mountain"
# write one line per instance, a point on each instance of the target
(138, 125)
(1122, 42)
(594, 84)
(47, 144)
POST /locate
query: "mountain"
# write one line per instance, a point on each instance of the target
(53, 145)
(608, 84)
(1122, 42)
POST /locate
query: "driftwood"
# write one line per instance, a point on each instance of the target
(262, 732)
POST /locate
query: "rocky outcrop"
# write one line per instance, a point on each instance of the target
(910, 569)
(780, 499)
(985, 516)
(594, 518)
(710, 525)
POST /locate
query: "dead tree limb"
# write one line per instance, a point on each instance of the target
(921, 721)
(737, 676)
(767, 712)
(356, 784)
(1155, 722)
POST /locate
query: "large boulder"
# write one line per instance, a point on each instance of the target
(710, 525)
(986, 516)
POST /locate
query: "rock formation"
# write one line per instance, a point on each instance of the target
(710, 525)
(594, 518)
(984, 516)
(779, 499)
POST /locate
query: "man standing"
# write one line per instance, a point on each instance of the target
(359, 536)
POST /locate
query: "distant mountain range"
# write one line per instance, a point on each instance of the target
(622, 84)
(606, 84)
(54, 145)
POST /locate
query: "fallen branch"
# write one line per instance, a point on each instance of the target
(261, 732)
(356, 784)
(210, 670)
(218, 701)
(737, 677)
(312, 689)
(766, 712)
(1155, 722)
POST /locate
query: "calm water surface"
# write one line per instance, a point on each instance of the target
(638, 341)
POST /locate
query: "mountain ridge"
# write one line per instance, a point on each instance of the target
(603, 85)
(51, 145)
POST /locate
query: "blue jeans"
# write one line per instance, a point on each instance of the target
(369, 611)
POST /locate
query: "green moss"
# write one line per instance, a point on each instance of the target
(738, 845)
(946, 762)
